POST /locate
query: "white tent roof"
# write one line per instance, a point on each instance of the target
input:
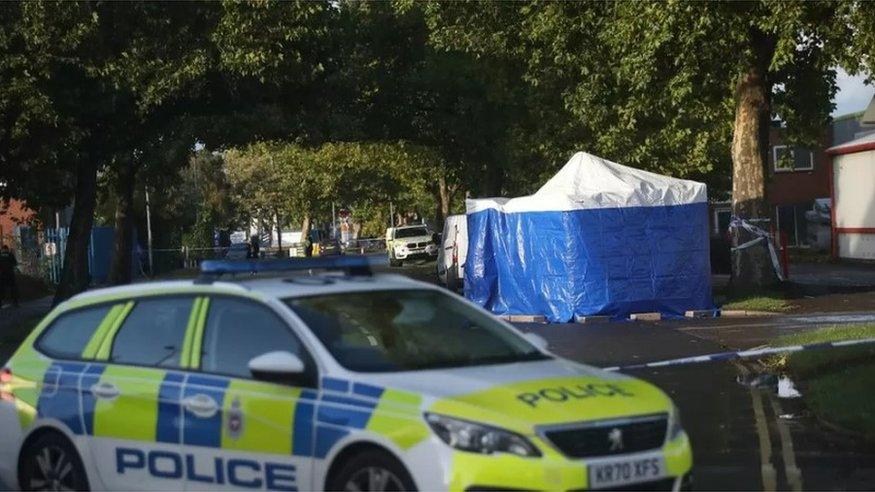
(588, 181)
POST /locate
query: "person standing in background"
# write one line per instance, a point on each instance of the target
(308, 246)
(8, 264)
(255, 244)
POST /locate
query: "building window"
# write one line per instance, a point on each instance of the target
(788, 159)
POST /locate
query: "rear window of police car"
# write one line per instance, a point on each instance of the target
(68, 335)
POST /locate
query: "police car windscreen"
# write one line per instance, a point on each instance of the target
(403, 330)
(410, 232)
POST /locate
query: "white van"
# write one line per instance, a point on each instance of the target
(453, 251)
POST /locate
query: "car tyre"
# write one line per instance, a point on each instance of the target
(371, 470)
(51, 463)
(395, 263)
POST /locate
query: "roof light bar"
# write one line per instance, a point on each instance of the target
(351, 265)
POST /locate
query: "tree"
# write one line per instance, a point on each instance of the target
(95, 77)
(302, 183)
(162, 61)
(678, 87)
(55, 115)
(396, 86)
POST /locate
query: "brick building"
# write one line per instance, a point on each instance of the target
(797, 176)
(13, 213)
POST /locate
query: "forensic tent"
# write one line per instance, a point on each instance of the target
(597, 239)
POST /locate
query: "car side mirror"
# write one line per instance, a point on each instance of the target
(536, 340)
(278, 366)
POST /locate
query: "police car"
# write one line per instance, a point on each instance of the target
(341, 380)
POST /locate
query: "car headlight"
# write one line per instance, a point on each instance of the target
(675, 428)
(479, 438)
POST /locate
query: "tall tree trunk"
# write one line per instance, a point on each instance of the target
(120, 268)
(446, 197)
(443, 199)
(75, 277)
(751, 267)
(279, 233)
(305, 227)
(305, 232)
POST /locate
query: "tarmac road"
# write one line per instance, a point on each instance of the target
(739, 441)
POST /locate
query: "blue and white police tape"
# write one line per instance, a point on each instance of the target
(744, 354)
(760, 235)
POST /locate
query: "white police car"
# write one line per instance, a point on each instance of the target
(342, 381)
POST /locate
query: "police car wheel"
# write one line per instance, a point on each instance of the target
(51, 463)
(371, 471)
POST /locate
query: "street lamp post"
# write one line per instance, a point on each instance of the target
(149, 233)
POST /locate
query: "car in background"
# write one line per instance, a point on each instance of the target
(452, 252)
(409, 242)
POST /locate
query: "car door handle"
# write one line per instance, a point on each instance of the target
(201, 405)
(104, 391)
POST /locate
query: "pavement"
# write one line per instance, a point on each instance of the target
(833, 274)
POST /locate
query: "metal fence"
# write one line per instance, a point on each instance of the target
(54, 246)
(40, 253)
(166, 260)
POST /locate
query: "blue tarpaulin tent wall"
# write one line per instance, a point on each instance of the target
(597, 239)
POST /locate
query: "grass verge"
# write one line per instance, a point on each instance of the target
(770, 301)
(837, 382)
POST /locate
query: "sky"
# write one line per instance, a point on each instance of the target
(853, 95)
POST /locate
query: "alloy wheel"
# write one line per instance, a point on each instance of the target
(52, 470)
(373, 479)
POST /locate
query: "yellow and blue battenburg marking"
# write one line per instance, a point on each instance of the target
(59, 398)
(316, 420)
(90, 375)
(169, 408)
(343, 406)
(205, 431)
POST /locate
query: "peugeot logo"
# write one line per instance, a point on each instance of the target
(615, 438)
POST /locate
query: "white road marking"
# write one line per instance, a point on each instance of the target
(766, 469)
(794, 475)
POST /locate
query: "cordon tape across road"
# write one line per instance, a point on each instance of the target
(744, 354)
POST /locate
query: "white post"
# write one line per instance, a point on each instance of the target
(149, 233)
(279, 234)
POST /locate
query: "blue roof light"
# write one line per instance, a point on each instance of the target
(352, 265)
